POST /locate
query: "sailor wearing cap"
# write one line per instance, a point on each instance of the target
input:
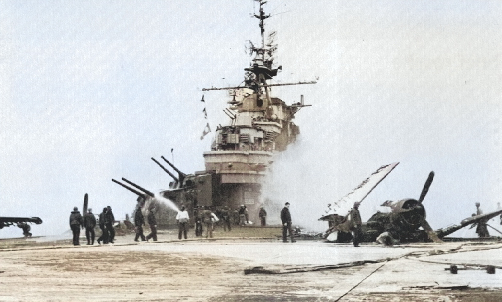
(286, 224)
(76, 222)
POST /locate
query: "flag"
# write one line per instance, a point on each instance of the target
(207, 129)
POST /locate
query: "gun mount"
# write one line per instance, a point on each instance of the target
(181, 175)
(142, 195)
(139, 187)
(167, 171)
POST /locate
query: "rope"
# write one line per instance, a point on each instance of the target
(360, 282)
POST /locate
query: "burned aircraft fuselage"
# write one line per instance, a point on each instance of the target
(403, 222)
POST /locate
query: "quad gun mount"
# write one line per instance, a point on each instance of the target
(142, 194)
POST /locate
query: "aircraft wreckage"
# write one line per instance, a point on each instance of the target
(405, 222)
(21, 222)
(8, 221)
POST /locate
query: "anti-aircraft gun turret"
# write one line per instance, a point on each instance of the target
(181, 175)
(143, 196)
(176, 180)
(140, 194)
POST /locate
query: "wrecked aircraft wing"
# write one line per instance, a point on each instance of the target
(468, 221)
(8, 221)
(359, 193)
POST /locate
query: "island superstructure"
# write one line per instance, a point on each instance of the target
(260, 125)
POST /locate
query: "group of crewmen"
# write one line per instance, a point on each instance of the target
(139, 222)
(203, 216)
(206, 216)
(88, 221)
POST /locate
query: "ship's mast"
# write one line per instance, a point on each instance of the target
(261, 69)
(262, 17)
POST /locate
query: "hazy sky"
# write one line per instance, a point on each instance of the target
(90, 90)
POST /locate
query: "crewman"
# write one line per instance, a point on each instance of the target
(482, 228)
(242, 215)
(76, 222)
(246, 214)
(89, 223)
(182, 219)
(356, 223)
(139, 222)
(104, 233)
(263, 216)
(207, 220)
(236, 216)
(109, 220)
(225, 216)
(152, 221)
(286, 224)
(198, 222)
(26, 229)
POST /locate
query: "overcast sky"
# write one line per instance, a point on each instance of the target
(91, 90)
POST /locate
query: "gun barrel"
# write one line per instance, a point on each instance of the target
(138, 187)
(167, 171)
(172, 166)
(128, 188)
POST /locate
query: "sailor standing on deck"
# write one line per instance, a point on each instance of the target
(242, 215)
(198, 221)
(286, 224)
(263, 216)
(356, 222)
(152, 221)
(109, 220)
(225, 216)
(89, 223)
(76, 222)
(481, 229)
(208, 218)
(102, 226)
(182, 218)
(139, 222)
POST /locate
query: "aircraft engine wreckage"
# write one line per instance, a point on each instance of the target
(406, 221)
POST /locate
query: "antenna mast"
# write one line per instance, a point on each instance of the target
(261, 68)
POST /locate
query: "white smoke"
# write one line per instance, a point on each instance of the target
(292, 179)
